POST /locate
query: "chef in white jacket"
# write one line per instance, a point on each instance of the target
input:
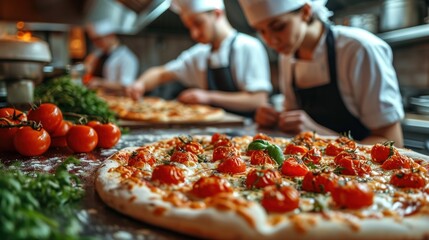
(225, 68)
(335, 79)
(112, 65)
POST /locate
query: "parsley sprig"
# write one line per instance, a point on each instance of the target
(39, 206)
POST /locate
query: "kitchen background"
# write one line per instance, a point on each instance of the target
(156, 35)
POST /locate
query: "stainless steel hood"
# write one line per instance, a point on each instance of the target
(131, 16)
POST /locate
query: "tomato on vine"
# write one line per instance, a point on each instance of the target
(31, 142)
(48, 114)
(8, 117)
(108, 134)
(81, 138)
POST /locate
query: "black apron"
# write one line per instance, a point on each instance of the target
(98, 68)
(221, 79)
(325, 105)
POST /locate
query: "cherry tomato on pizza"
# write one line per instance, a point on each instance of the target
(295, 149)
(140, 158)
(108, 135)
(210, 186)
(262, 178)
(260, 157)
(31, 142)
(223, 152)
(168, 174)
(291, 167)
(232, 165)
(397, 161)
(81, 138)
(339, 145)
(216, 137)
(314, 155)
(183, 157)
(191, 146)
(381, 152)
(319, 182)
(280, 199)
(262, 136)
(353, 195)
(405, 178)
(48, 114)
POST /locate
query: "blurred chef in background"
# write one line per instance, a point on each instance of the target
(225, 68)
(335, 79)
(112, 65)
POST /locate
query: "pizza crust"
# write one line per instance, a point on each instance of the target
(250, 222)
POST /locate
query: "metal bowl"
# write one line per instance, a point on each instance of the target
(420, 104)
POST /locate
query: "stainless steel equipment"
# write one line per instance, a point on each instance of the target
(21, 67)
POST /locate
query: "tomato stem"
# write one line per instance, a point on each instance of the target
(10, 124)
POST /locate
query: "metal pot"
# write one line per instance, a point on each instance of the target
(397, 14)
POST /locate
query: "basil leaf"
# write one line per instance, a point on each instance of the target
(276, 153)
(258, 144)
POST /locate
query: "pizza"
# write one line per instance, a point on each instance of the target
(262, 187)
(158, 110)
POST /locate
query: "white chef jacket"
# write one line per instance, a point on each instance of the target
(121, 66)
(366, 78)
(250, 66)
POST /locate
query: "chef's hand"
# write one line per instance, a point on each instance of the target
(135, 90)
(297, 121)
(194, 96)
(266, 116)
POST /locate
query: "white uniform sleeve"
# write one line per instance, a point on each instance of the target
(374, 83)
(251, 65)
(122, 66)
(190, 66)
(129, 69)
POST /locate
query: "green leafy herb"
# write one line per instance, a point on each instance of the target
(273, 150)
(73, 98)
(39, 206)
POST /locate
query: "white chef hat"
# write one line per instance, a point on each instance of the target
(101, 28)
(258, 10)
(195, 6)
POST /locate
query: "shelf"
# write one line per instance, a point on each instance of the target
(406, 35)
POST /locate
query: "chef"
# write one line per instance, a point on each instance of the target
(225, 68)
(112, 65)
(335, 79)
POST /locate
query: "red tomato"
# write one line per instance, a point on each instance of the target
(226, 142)
(353, 195)
(262, 178)
(210, 186)
(339, 145)
(93, 123)
(319, 182)
(292, 168)
(223, 152)
(168, 174)
(48, 114)
(141, 157)
(292, 148)
(312, 156)
(280, 200)
(58, 141)
(381, 152)
(216, 137)
(193, 147)
(232, 165)
(108, 135)
(260, 157)
(81, 138)
(348, 166)
(11, 116)
(405, 178)
(30, 142)
(397, 161)
(62, 129)
(183, 157)
(262, 136)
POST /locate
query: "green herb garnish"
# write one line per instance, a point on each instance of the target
(39, 206)
(273, 150)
